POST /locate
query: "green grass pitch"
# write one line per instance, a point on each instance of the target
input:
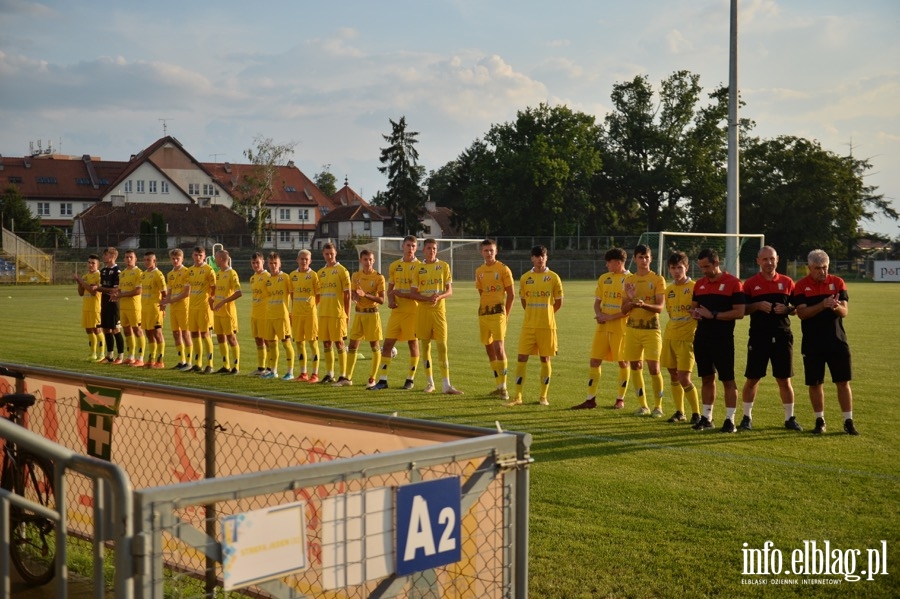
(621, 506)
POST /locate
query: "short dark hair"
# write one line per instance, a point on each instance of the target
(365, 252)
(615, 254)
(710, 254)
(329, 246)
(539, 250)
(411, 238)
(149, 253)
(488, 242)
(94, 257)
(677, 257)
(641, 249)
(274, 256)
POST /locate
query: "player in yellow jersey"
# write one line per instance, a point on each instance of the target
(177, 301)
(404, 309)
(334, 312)
(432, 286)
(609, 335)
(645, 299)
(258, 310)
(278, 319)
(367, 291)
(202, 280)
(153, 293)
(129, 298)
(541, 295)
(494, 282)
(89, 290)
(678, 340)
(305, 317)
(225, 322)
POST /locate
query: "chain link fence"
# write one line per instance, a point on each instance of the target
(197, 457)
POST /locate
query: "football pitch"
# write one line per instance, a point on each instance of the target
(622, 505)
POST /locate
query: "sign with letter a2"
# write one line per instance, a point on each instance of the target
(428, 525)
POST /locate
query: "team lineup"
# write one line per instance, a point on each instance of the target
(123, 313)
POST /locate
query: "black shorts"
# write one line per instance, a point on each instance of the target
(779, 350)
(715, 355)
(109, 316)
(836, 356)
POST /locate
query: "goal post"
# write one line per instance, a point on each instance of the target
(664, 243)
(463, 255)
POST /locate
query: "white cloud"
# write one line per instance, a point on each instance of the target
(677, 43)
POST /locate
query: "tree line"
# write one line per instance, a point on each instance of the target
(657, 161)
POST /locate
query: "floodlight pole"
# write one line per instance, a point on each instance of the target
(732, 209)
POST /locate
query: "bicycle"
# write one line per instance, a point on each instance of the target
(32, 536)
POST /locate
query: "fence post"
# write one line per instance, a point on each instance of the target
(210, 470)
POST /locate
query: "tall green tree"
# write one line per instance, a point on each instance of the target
(404, 195)
(532, 176)
(326, 181)
(14, 209)
(665, 152)
(805, 197)
(255, 189)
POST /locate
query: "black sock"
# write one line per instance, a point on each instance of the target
(120, 342)
(108, 337)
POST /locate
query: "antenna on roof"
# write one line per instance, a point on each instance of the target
(165, 127)
(215, 157)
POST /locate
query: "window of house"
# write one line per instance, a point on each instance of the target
(323, 210)
(284, 214)
(284, 236)
(65, 209)
(15, 179)
(304, 237)
(208, 189)
(194, 189)
(304, 214)
(51, 180)
(367, 225)
(164, 187)
(140, 186)
(128, 186)
(268, 237)
(85, 206)
(152, 186)
(43, 208)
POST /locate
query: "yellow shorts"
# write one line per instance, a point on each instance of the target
(492, 327)
(607, 346)
(538, 342)
(401, 326)
(178, 316)
(152, 319)
(199, 320)
(277, 329)
(130, 318)
(642, 344)
(257, 327)
(431, 324)
(305, 327)
(225, 325)
(677, 354)
(366, 325)
(332, 328)
(90, 319)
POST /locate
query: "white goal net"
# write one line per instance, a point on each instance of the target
(742, 263)
(463, 255)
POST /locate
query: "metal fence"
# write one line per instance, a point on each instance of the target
(196, 457)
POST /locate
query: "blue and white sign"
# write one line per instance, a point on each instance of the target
(428, 525)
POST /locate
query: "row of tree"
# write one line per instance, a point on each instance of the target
(656, 162)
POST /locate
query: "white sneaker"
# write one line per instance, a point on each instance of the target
(504, 393)
(451, 390)
(543, 401)
(429, 388)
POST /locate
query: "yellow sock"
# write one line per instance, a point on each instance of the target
(443, 359)
(624, 374)
(413, 364)
(301, 355)
(288, 354)
(329, 360)
(546, 371)
(376, 363)
(342, 361)
(385, 365)
(637, 377)
(426, 356)
(161, 351)
(236, 352)
(151, 350)
(678, 396)
(656, 381)
(520, 377)
(223, 351)
(208, 349)
(314, 352)
(141, 347)
(693, 398)
(352, 355)
(504, 371)
(261, 356)
(593, 380)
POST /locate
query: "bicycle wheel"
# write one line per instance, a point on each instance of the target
(33, 538)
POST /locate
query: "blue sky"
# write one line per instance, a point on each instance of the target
(96, 77)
